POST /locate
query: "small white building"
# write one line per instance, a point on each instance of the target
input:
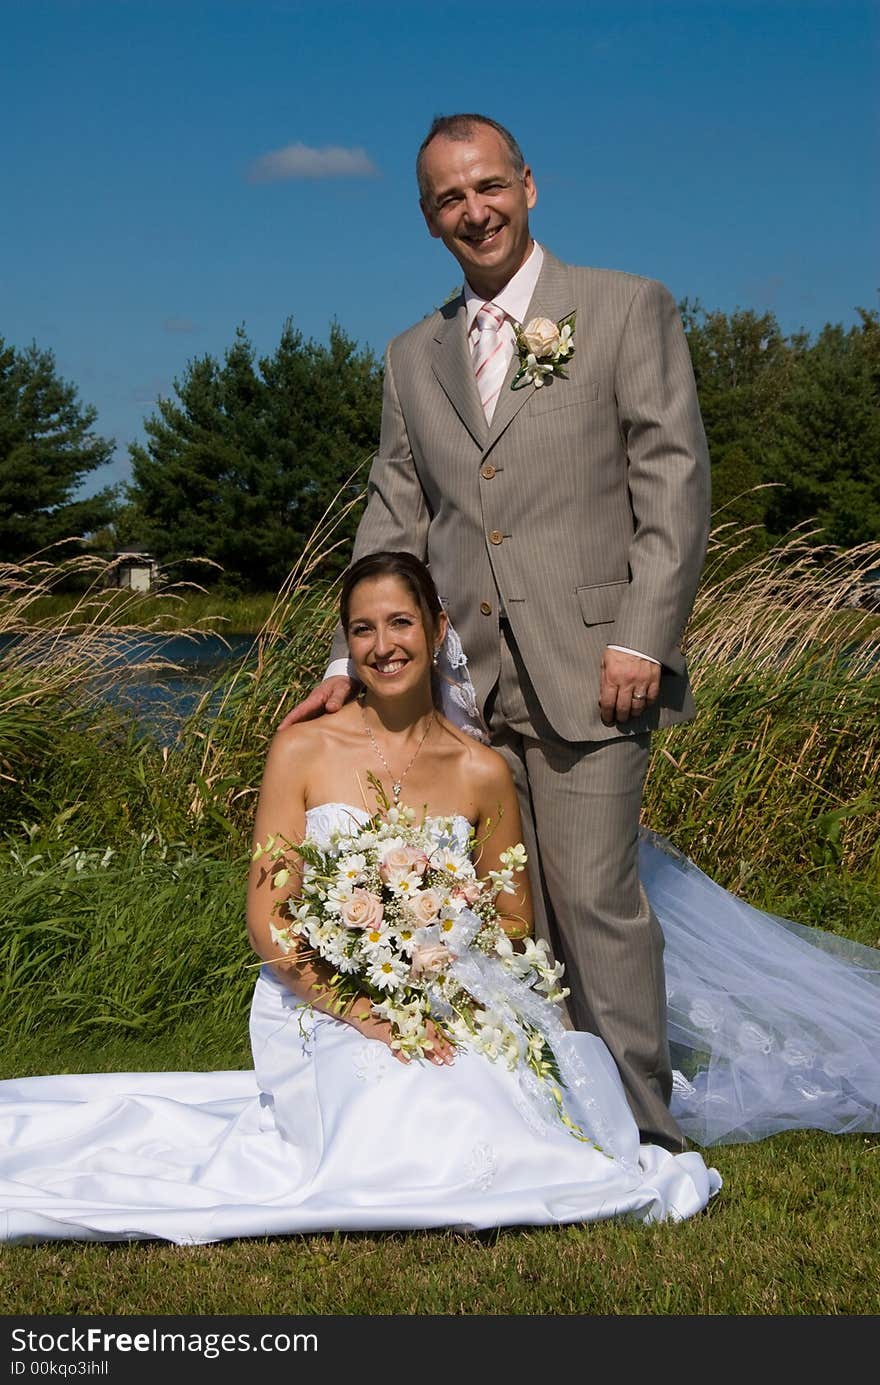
(133, 569)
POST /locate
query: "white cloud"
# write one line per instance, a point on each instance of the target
(301, 161)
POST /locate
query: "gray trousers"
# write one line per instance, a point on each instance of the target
(580, 804)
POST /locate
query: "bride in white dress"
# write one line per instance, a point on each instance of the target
(334, 1130)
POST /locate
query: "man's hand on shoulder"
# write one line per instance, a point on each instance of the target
(627, 685)
(329, 696)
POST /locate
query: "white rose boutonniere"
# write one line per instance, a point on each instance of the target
(543, 346)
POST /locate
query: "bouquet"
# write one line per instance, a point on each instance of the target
(394, 905)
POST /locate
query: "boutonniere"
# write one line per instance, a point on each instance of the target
(542, 347)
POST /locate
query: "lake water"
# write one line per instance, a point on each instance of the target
(160, 698)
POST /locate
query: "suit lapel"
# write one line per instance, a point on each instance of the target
(451, 363)
(552, 298)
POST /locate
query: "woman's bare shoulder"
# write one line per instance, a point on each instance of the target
(306, 740)
(485, 767)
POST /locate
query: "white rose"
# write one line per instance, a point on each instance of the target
(425, 906)
(541, 336)
(362, 910)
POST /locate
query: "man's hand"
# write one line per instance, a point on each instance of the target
(627, 686)
(328, 696)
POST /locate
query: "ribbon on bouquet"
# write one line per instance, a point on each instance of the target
(490, 982)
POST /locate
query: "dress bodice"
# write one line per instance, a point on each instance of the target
(327, 818)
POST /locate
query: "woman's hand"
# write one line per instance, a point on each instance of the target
(361, 1017)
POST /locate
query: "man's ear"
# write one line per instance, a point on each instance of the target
(429, 220)
(529, 185)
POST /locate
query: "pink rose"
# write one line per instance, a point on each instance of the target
(469, 891)
(425, 906)
(430, 960)
(541, 336)
(362, 910)
(402, 860)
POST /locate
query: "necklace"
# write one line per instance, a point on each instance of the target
(396, 784)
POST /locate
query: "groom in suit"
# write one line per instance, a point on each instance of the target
(565, 525)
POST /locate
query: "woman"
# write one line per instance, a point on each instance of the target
(393, 731)
(335, 1129)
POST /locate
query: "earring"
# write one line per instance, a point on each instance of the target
(436, 654)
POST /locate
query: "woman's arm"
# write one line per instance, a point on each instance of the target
(499, 827)
(280, 817)
(281, 813)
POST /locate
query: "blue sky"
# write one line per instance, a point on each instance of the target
(174, 170)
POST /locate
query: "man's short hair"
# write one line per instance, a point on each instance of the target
(461, 127)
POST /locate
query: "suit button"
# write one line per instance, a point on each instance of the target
(496, 535)
(485, 608)
(487, 471)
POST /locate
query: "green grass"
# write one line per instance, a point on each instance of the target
(138, 943)
(793, 1231)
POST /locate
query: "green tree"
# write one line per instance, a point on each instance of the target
(47, 447)
(741, 364)
(826, 444)
(240, 467)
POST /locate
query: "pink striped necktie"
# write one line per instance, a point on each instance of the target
(491, 356)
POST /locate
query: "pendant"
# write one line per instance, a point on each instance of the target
(395, 789)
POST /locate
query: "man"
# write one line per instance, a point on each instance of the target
(565, 525)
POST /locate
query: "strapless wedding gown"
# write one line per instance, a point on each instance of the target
(774, 1026)
(328, 1132)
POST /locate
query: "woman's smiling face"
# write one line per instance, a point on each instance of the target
(390, 646)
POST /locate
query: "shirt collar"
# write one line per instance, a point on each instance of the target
(517, 293)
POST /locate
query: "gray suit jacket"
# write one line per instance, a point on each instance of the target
(585, 503)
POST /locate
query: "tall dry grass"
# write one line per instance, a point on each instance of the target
(223, 743)
(56, 668)
(779, 771)
(73, 649)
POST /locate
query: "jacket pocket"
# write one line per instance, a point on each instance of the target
(562, 394)
(599, 605)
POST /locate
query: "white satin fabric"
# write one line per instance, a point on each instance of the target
(329, 1132)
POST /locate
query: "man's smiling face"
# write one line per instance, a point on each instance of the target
(479, 207)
